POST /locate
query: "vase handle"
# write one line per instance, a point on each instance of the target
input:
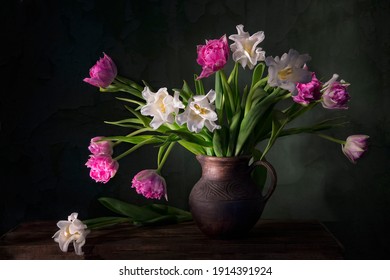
(271, 171)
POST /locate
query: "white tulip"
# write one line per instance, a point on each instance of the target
(199, 113)
(72, 230)
(244, 48)
(288, 70)
(161, 106)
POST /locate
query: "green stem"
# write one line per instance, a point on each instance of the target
(133, 134)
(327, 137)
(165, 157)
(131, 101)
(130, 83)
(249, 98)
(229, 92)
(126, 88)
(285, 96)
(139, 131)
(132, 149)
(219, 101)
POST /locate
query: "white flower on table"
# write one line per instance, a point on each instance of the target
(72, 230)
(244, 48)
(287, 71)
(199, 113)
(161, 106)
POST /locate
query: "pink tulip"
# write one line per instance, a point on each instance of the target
(355, 147)
(97, 147)
(102, 73)
(309, 92)
(103, 167)
(150, 184)
(336, 95)
(212, 56)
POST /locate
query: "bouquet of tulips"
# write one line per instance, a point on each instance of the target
(225, 121)
(229, 120)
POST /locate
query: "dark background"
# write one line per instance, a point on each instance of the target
(48, 115)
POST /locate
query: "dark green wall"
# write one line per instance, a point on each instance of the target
(48, 115)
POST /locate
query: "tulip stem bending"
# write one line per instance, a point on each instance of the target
(327, 137)
(165, 157)
(132, 149)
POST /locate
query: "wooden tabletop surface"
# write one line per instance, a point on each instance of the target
(270, 239)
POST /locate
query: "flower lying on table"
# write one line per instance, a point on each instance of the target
(225, 121)
(71, 231)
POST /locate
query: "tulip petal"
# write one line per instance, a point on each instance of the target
(73, 231)
(103, 73)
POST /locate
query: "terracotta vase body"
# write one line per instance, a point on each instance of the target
(225, 202)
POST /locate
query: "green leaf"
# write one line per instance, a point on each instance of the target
(131, 120)
(230, 101)
(161, 152)
(103, 222)
(233, 132)
(166, 210)
(111, 88)
(251, 120)
(131, 101)
(152, 139)
(198, 85)
(296, 110)
(259, 174)
(132, 123)
(187, 92)
(219, 98)
(129, 210)
(132, 92)
(233, 82)
(160, 220)
(264, 128)
(130, 83)
(257, 73)
(244, 97)
(147, 85)
(193, 148)
(119, 86)
(254, 86)
(323, 125)
(282, 118)
(145, 120)
(154, 214)
(279, 121)
(218, 143)
(209, 151)
(190, 137)
(125, 125)
(258, 95)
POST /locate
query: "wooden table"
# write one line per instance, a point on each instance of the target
(270, 239)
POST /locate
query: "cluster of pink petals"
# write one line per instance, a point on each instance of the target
(309, 92)
(336, 95)
(355, 147)
(98, 147)
(102, 73)
(150, 184)
(213, 56)
(103, 166)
